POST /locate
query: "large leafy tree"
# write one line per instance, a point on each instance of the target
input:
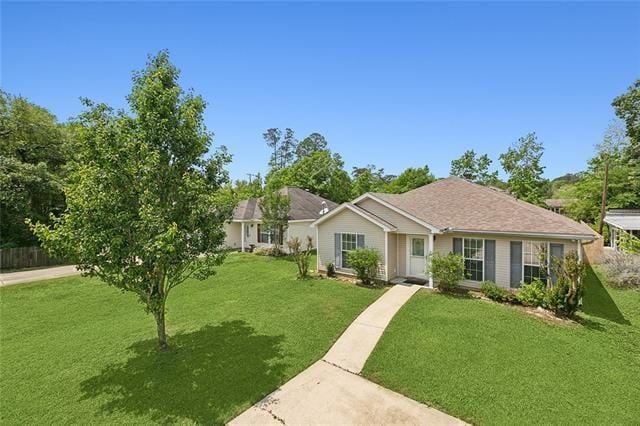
(522, 164)
(33, 154)
(627, 108)
(410, 178)
(367, 179)
(622, 187)
(244, 189)
(474, 168)
(322, 173)
(143, 207)
(315, 142)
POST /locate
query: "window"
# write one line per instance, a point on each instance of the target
(417, 247)
(531, 261)
(265, 236)
(348, 242)
(473, 253)
(247, 231)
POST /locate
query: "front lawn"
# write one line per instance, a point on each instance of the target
(73, 350)
(492, 364)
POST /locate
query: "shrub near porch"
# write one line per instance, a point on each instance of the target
(76, 351)
(491, 364)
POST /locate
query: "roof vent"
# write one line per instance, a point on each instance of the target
(324, 209)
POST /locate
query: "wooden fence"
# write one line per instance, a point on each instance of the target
(25, 257)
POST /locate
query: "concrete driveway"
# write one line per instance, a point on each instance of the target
(37, 275)
(331, 390)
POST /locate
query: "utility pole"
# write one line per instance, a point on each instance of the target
(603, 206)
(250, 176)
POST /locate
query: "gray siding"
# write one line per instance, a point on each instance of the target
(444, 244)
(404, 224)
(348, 222)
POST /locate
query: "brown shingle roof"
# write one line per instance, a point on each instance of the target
(458, 204)
(304, 205)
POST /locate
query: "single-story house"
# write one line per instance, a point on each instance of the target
(558, 205)
(498, 235)
(245, 229)
(627, 220)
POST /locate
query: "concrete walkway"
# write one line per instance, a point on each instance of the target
(332, 392)
(37, 275)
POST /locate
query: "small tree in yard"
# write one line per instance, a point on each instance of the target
(275, 216)
(365, 262)
(447, 270)
(565, 296)
(143, 208)
(301, 255)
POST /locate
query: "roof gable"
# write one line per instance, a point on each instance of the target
(359, 211)
(457, 204)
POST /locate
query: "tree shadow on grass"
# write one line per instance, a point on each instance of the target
(206, 378)
(597, 302)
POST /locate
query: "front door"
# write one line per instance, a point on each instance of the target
(417, 259)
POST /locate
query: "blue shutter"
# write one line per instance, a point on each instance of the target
(457, 246)
(557, 254)
(490, 260)
(338, 250)
(516, 264)
(360, 241)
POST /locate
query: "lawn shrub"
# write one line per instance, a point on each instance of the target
(562, 300)
(495, 292)
(262, 251)
(365, 262)
(532, 294)
(447, 270)
(622, 270)
(268, 251)
(331, 270)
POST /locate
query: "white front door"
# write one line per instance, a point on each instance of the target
(417, 256)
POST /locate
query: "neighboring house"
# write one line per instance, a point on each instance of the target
(245, 229)
(627, 220)
(498, 236)
(558, 205)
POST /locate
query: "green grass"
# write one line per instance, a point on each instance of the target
(492, 364)
(74, 350)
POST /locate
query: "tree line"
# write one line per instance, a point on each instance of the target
(36, 147)
(139, 199)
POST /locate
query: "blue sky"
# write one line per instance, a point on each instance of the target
(393, 84)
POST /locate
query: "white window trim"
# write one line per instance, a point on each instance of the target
(341, 250)
(548, 244)
(483, 259)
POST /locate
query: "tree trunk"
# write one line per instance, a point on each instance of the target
(603, 203)
(162, 334)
